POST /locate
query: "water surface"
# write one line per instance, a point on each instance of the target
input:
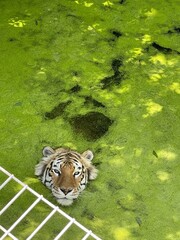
(112, 67)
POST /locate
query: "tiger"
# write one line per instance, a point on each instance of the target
(65, 172)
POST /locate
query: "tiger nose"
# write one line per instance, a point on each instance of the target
(66, 190)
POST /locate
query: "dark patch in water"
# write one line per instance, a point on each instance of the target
(44, 60)
(57, 111)
(86, 213)
(116, 33)
(124, 207)
(92, 188)
(122, 1)
(12, 39)
(175, 30)
(116, 63)
(147, 49)
(113, 186)
(25, 221)
(90, 100)
(75, 89)
(97, 164)
(139, 221)
(155, 154)
(73, 16)
(163, 49)
(116, 78)
(75, 73)
(110, 81)
(98, 150)
(18, 104)
(92, 125)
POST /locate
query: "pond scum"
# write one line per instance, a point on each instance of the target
(99, 75)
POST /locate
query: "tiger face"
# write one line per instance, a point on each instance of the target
(65, 173)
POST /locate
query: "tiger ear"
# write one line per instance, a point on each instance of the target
(48, 151)
(88, 155)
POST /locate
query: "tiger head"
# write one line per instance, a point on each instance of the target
(65, 172)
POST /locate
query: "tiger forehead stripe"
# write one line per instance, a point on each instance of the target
(66, 163)
(69, 154)
(73, 157)
(75, 154)
(62, 154)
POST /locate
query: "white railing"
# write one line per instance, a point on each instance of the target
(55, 209)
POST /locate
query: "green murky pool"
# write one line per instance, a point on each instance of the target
(99, 75)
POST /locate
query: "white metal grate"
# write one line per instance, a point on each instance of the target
(55, 209)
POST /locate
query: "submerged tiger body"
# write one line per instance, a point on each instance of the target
(65, 172)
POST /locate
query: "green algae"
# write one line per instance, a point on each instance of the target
(92, 125)
(120, 59)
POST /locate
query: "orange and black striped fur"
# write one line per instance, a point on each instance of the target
(65, 172)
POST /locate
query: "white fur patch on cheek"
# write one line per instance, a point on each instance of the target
(93, 174)
(38, 169)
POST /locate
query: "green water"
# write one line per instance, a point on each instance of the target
(99, 75)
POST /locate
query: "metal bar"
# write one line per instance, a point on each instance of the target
(9, 234)
(22, 216)
(64, 229)
(4, 171)
(87, 235)
(7, 180)
(13, 199)
(94, 236)
(90, 233)
(42, 223)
